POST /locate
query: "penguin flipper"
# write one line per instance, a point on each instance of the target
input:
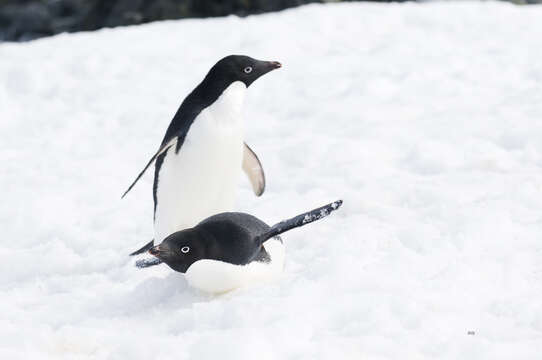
(145, 248)
(254, 170)
(162, 149)
(299, 220)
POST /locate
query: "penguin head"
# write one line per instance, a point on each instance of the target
(180, 250)
(241, 68)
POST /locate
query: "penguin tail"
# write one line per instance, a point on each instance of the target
(299, 220)
(145, 248)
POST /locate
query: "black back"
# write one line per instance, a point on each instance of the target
(237, 234)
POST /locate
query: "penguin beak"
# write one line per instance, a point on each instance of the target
(275, 64)
(155, 250)
(162, 252)
(267, 66)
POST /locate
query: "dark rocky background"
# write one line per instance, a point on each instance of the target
(22, 20)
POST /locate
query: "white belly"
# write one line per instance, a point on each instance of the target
(216, 277)
(201, 179)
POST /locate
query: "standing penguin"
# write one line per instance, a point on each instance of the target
(229, 250)
(198, 161)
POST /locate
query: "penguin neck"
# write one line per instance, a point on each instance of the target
(229, 105)
(227, 97)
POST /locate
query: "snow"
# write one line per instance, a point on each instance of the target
(426, 119)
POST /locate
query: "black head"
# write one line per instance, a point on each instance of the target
(241, 68)
(181, 249)
(223, 237)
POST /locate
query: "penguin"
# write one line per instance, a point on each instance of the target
(229, 250)
(197, 164)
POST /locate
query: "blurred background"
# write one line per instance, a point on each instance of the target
(23, 20)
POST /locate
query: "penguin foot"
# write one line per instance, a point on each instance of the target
(144, 263)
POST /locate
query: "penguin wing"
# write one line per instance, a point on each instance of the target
(254, 170)
(162, 150)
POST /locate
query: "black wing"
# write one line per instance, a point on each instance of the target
(299, 220)
(162, 150)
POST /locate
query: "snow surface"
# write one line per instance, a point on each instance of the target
(425, 118)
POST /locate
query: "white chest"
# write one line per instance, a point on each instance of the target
(216, 277)
(201, 179)
(228, 107)
(220, 124)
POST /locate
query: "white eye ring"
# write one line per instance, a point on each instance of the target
(247, 70)
(185, 249)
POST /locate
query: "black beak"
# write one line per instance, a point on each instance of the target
(267, 66)
(162, 252)
(275, 64)
(272, 65)
(155, 250)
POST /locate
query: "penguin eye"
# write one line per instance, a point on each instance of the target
(247, 70)
(185, 249)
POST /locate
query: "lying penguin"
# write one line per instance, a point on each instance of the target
(203, 150)
(229, 250)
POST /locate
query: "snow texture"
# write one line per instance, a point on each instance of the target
(425, 118)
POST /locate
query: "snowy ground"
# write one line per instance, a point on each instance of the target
(425, 118)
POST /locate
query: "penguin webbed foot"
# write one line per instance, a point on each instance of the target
(145, 263)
